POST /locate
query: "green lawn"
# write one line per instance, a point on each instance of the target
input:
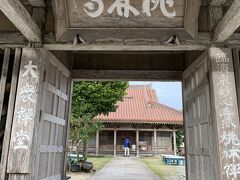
(165, 172)
(99, 162)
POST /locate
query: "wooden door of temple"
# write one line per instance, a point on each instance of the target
(54, 120)
(40, 120)
(198, 124)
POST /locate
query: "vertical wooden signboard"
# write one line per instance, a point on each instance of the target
(225, 109)
(26, 114)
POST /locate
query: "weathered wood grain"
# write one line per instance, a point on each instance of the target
(7, 132)
(215, 14)
(129, 61)
(39, 15)
(236, 66)
(19, 155)
(59, 65)
(144, 37)
(54, 119)
(156, 27)
(54, 177)
(12, 46)
(202, 43)
(77, 18)
(217, 2)
(38, 3)
(67, 129)
(224, 103)
(198, 128)
(50, 149)
(94, 34)
(56, 91)
(6, 25)
(228, 24)
(3, 77)
(18, 177)
(12, 38)
(69, 47)
(191, 17)
(54, 122)
(20, 17)
(126, 75)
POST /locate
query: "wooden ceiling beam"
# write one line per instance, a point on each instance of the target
(19, 16)
(12, 38)
(217, 2)
(37, 3)
(191, 17)
(228, 24)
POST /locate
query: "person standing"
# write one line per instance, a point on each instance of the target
(127, 145)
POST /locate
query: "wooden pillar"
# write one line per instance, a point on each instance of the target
(155, 140)
(97, 142)
(10, 110)
(137, 142)
(225, 116)
(174, 142)
(115, 143)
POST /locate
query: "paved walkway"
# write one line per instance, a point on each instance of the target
(125, 168)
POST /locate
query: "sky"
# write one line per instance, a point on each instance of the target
(169, 93)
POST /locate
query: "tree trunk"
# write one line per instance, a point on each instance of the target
(78, 150)
(85, 148)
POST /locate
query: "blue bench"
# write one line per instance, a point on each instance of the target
(174, 160)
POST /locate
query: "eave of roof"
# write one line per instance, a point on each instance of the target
(139, 122)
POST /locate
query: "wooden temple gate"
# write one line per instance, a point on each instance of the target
(44, 45)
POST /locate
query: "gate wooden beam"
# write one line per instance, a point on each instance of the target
(38, 3)
(201, 43)
(106, 75)
(20, 17)
(97, 47)
(12, 38)
(215, 15)
(15, 39)
(49, 42)
(228, 24)
(217, 2)
(191, 17)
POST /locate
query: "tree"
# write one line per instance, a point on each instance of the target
(179, 137)
(89, 100)
(81, 130)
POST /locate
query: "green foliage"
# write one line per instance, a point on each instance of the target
(179, 136)
(82, 128)
(89, 100)
(94, 98)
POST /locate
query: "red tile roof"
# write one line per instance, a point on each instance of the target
(140, 105)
